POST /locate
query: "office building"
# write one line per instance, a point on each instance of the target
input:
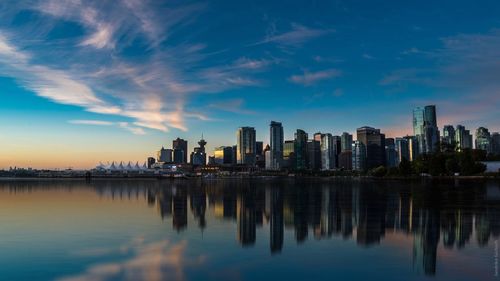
(495, 143)
(180, 147)
(345, 157)
(374, 145)
(463, 138)
(151, 161)
(483, 140)
(391, 156)
(276, 145)
(358, 156)
(327, 152)
(425, 129)
(313, 155)
(300, 146)
(448, 135)
(223, 155)
(402, 150)
(346, 141)
(246, 146)
(289, 154)
(164, 155)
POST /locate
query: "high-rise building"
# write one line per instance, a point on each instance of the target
(412, 147)
(276, 144)
(327, 152)
(391, 156)
(300, 150)
(289, 154)
(495, 143)
(425, 129)
(223, 155)
(346, 141)
(180, 145)
(345, 157)
(313, 155)
(448, 135)
(337, 149)
(246, 146)
(402, 150)
(483, 139)
(374, 143)
(199, 156)
(358, 156)
(463, 138)
(164, 155)
(259, 154)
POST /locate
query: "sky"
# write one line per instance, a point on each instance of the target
(89, 81)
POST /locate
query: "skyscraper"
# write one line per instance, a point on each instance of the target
(402, 150)
(483, 139)
(164, 155)
(180, 145)
(300, 146)
(345, 157)
(289, 154)
(246, 146)
(313, 154)
(391, 156)
(276, 143)
(463, 138)
(327, 152)
(425, 129)
(358, 156)
(448, 135)
(374, 143)
(495, 143)
(223, 155)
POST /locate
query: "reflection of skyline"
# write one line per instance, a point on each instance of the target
(454, 217)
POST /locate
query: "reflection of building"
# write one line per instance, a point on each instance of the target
(276, 220)
(425, 241)
(246, 146)
(179, 219)
(246, 220)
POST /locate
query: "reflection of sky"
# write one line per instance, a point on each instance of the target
(74, 234)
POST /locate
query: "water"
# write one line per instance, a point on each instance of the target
(248, 230)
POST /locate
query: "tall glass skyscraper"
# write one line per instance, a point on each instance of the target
(327, 152)
(300, 150)
(276, 143)
(483, 139)
(463, 138)
(425, 129)
(374, 144)
(358, 156)
(246, 146)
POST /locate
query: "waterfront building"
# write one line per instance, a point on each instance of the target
(164, 155)
(276, 145)
(391, 156)
(289, 154)
(448, 135)
(374, 145)
(358, 156)
(463, 138)
(300, 150)
(180, 145)
(495, 143)
(313, 155)
(402, 150)
(327, 152)
(223, 155)
(345, 157)
(150, 162)
(246, 146)
(337, 149)
(199, 156)
(425, 129)
(259, 154)
(346, 141)
(483, 139)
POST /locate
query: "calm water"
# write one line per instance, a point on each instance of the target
(248, 230)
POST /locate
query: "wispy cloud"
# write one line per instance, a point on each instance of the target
(310, 78)
(296, 36)
(234, 106)
(123, 125)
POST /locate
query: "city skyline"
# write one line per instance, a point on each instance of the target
(101, 81)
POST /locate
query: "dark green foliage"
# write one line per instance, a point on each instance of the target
(380, 171)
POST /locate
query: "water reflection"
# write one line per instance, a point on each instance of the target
(453, 214)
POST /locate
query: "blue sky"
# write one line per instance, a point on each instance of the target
(84, 81)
